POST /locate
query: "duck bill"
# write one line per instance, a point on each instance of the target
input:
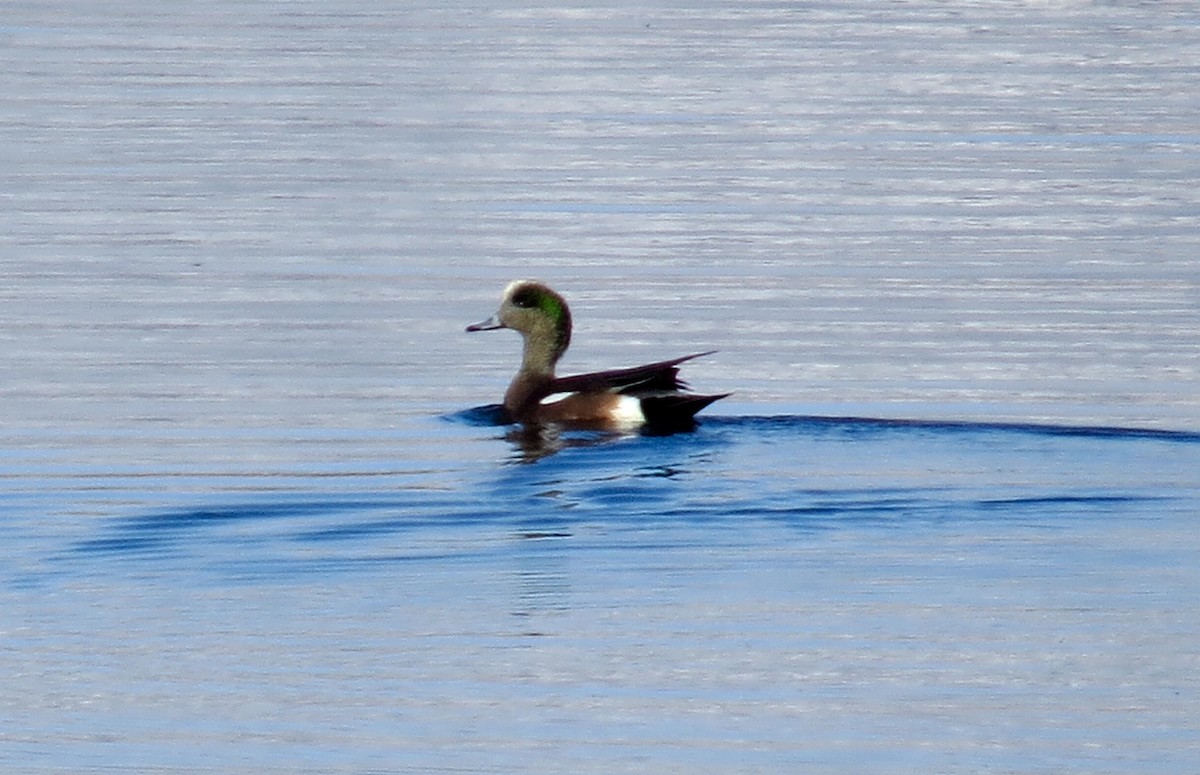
(491, 324)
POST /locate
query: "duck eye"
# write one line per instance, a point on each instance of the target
(524, 299)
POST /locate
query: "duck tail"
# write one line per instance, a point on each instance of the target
(672, 412)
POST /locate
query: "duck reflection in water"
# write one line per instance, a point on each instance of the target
(535, 441)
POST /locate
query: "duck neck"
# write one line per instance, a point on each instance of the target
(540, 355)
(538, 359)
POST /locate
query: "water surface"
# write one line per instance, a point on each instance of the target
(946, 253)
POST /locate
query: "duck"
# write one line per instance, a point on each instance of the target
(650, 396)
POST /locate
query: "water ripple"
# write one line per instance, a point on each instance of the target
(734, 479)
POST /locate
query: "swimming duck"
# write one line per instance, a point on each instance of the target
(651, 395)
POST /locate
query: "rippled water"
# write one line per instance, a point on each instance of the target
(256, 516)
(765, 593)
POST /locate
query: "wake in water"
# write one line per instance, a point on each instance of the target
(492, 415)
(792, 472)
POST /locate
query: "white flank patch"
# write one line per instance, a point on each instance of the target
(628, 411)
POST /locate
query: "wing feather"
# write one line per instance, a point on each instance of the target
(659, 377)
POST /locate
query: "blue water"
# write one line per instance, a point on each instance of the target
(766, 593)
(257, 517)
(740, 474)
(744, 474)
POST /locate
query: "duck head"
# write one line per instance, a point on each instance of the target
(541, 316)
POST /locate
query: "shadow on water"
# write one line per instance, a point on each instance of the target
(732, 475)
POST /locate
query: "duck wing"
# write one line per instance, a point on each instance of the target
(651, 378)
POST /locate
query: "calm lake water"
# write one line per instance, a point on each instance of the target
(255, 521)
